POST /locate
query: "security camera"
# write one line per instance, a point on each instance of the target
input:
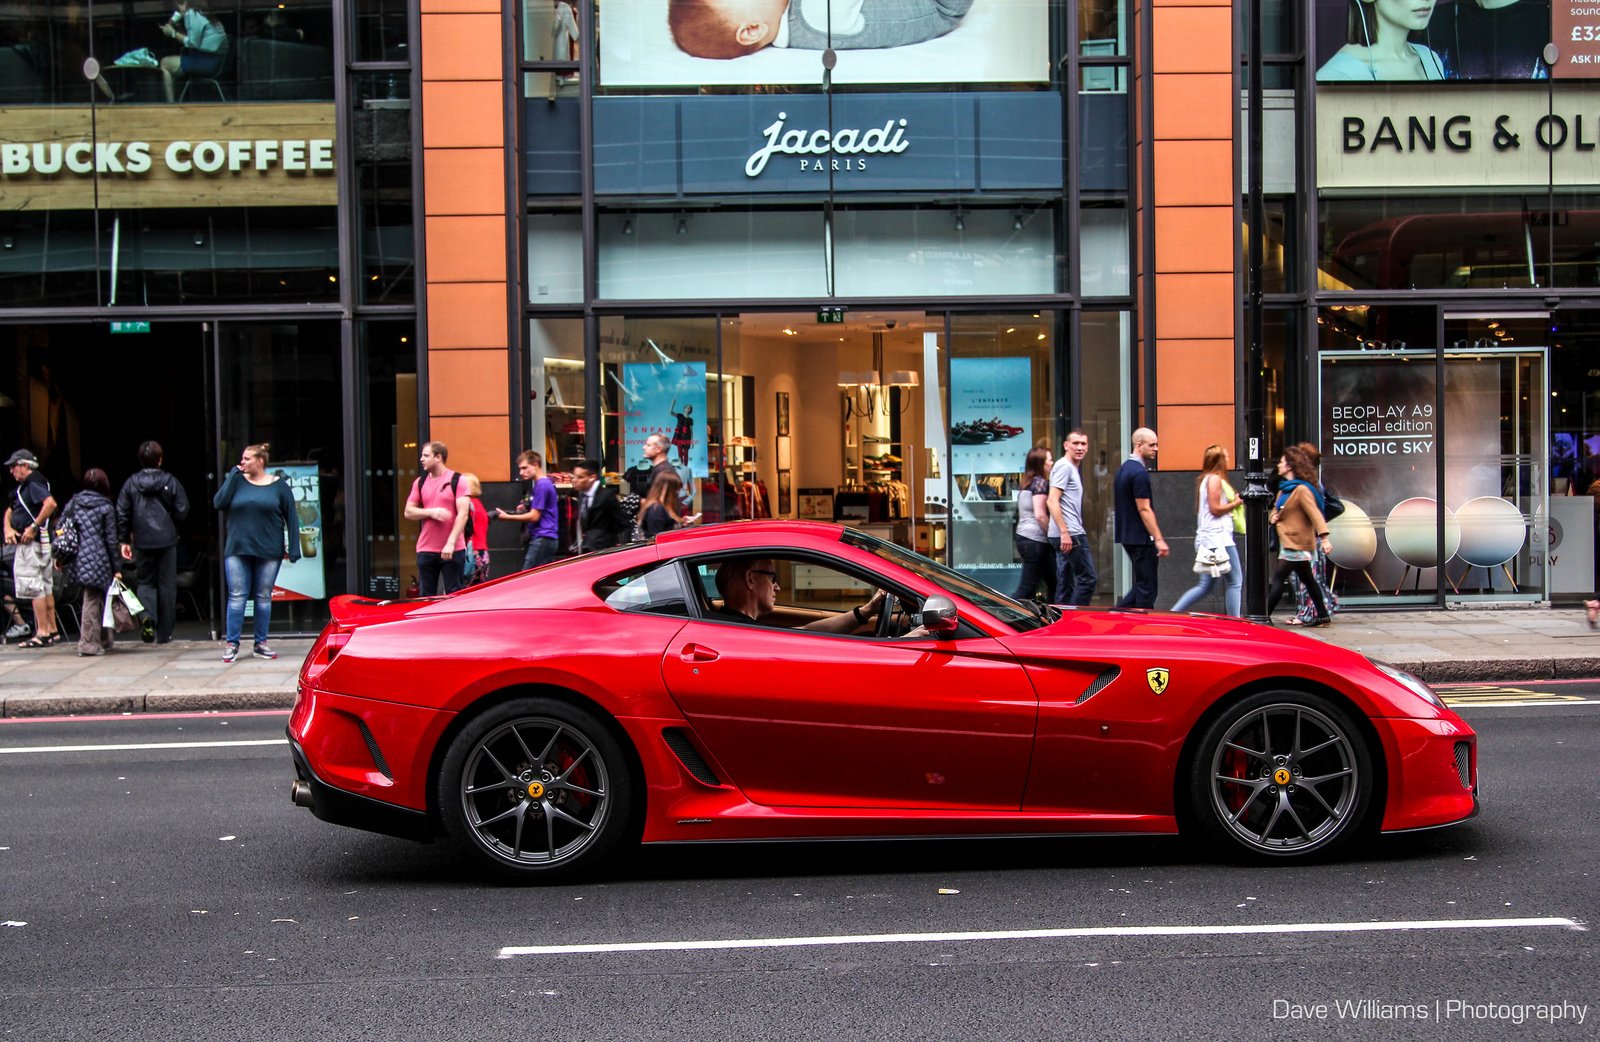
(889, 324)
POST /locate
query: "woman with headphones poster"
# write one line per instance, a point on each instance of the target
(1399, 40)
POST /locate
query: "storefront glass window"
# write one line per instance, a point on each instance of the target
(1103, 229)
(939, 251)
(1001, 404)
(388, 455)
(1103, 28)
(558, 402)
(280, 383)
(555, 258)
(1104, 405)
(382, 30)
(659, 255)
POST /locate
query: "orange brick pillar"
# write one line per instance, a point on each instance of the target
(467, 233)
(1193, 110)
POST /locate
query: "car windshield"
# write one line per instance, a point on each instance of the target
(1013, 613)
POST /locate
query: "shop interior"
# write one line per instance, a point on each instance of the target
(824, 414)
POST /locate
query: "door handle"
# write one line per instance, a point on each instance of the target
(697, 653)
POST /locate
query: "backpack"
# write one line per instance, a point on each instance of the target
(64, 538)
(466, 533)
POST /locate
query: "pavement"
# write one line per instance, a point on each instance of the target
(1475, 644)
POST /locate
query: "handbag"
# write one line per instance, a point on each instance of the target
(1212, 561)
(1238, 511)
(115, 616)
(1332, 505)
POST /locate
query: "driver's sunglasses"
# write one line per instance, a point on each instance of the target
(768, 573)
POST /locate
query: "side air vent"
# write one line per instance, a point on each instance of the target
(677, 740)
(1464, 763)
(1111, 673)
(372, 747)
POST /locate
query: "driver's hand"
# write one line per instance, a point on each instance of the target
(875, 606)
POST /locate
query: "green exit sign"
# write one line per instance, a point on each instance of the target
(830, 315)
(130, 327)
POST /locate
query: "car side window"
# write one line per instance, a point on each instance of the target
(652, 590)
(808, 594)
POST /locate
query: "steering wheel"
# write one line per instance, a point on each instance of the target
(896, 619)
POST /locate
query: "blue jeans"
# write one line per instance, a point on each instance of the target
(249, 577)
(1076, 578)
(1038, 565)
(1233, 577)
(540, 551)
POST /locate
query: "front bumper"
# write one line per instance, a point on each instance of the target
(1433, 772)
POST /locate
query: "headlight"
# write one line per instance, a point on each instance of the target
(1410, 683)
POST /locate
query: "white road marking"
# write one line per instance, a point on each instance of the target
(1543, 703)
(513, 951)
(133, 746)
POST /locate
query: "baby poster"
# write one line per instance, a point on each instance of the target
(670, 400)
(716, 42)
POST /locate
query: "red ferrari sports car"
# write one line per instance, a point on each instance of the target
(794, 680)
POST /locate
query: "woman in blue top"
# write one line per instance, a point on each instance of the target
(202, 38)
(261, 524)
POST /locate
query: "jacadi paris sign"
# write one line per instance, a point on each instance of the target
(762, 143)
(137, 157)
(1507, 135)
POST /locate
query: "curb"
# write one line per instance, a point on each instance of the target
(1461, 671)
(85, 703)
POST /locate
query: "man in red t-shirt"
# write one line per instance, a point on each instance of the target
(442, 505)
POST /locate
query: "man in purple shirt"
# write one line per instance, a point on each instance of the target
(540, 514)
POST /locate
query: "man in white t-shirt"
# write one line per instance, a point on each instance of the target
(1076, 578)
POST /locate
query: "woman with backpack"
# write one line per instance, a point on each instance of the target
(86, 550)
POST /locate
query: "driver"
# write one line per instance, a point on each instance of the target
(749, 589)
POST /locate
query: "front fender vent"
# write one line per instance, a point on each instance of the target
(1463, 753)
(1100, 682)
(372, 747)
(677, 740)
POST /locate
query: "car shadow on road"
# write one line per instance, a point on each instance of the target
(379, 860)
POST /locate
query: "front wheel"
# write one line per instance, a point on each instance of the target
(1282, 775)
(535, 789)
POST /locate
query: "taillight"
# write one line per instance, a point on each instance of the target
(325, 652)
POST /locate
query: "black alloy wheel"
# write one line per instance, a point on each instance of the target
(1282, 775)
(535, 789)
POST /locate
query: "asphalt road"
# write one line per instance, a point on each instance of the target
(174, 893)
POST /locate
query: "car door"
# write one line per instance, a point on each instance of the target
(808, 719)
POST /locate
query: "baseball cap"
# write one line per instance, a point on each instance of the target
(23, 456)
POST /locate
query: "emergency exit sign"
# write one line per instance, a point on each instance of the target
(830, 315)
(130, 327)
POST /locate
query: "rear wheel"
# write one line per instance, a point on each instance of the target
(535, 789)
(1282, 775)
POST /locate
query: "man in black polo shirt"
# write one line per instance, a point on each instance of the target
(1136, 527)
(27, 528)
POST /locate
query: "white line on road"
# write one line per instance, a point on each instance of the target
(1009, 935)
(132, 746)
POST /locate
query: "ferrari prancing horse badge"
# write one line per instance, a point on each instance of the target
(1157, 678)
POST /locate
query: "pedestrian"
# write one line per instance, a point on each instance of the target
(1297, 515)
(1076, 577)
(95, 562)
(443, 506)
(1213, 531)
(1136, 527)
(262, 526)
(602, 522)
(26, 527)
(659, 511)
(477, 557)
(150, 506)
(537, 512)
(655, 450)
(1032, 532)
(1305, 608)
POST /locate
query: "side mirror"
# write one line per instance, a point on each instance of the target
(939, 616)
